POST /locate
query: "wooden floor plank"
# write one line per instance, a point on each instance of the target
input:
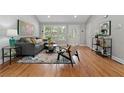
(90, 65)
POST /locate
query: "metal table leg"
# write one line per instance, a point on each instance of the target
(10, 56)
(3, 55)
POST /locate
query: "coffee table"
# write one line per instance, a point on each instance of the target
(51, 48)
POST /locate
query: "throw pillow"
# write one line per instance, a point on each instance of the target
(39, 40)
(33, 40)
(29, 40)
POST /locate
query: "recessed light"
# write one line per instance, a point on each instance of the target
(49, 16)
(63, 27)
(75, 16)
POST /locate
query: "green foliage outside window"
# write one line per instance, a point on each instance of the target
(54, 32)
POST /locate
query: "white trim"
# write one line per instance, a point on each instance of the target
(88, 46)
(82, 45)
(118, 59)
(0, 60)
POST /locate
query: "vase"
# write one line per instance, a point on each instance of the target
(12, 42)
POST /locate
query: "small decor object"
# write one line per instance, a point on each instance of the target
(12, 33)
(12, 42)
(96, 35)
(103, 31)
(105, 28)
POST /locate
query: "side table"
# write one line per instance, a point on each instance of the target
(10, 52)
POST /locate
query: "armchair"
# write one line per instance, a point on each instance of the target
(68, 53)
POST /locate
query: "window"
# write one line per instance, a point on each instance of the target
(56, 32)
(63, 34)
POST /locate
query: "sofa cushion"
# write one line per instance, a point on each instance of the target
(22, 40)
(25, 39)
(28, 40)
(33, 40)
(28, 48)
(39, 40)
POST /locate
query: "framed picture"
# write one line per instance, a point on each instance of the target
(105, 28)
(25, 29)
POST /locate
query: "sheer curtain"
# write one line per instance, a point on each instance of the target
(74, 34)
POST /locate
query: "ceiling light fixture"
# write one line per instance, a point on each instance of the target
(63, 27)
(105, 16)
(49, 16)
(75, 16)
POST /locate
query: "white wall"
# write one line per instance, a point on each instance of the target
(117, 31)
(10, 21)
(83, 34)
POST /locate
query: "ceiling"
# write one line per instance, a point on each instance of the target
(63, 18)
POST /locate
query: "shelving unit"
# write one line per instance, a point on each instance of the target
(102, 45)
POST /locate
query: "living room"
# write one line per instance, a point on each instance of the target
(64, 23)
(51, 46)
(40, 37)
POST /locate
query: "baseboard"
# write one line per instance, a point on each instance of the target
(83, 45)
(0, 61)
(88, 46)
(118, 59)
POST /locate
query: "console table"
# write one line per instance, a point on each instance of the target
(10, 52)
(102, 45)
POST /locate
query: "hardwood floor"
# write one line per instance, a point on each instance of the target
(90, 65)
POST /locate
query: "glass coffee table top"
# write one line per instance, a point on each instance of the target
(51, 48)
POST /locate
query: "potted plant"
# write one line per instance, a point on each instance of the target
(49, 38)
(97, 34)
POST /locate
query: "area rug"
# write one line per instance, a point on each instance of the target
(45, 58)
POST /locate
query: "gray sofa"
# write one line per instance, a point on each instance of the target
(28, 48)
